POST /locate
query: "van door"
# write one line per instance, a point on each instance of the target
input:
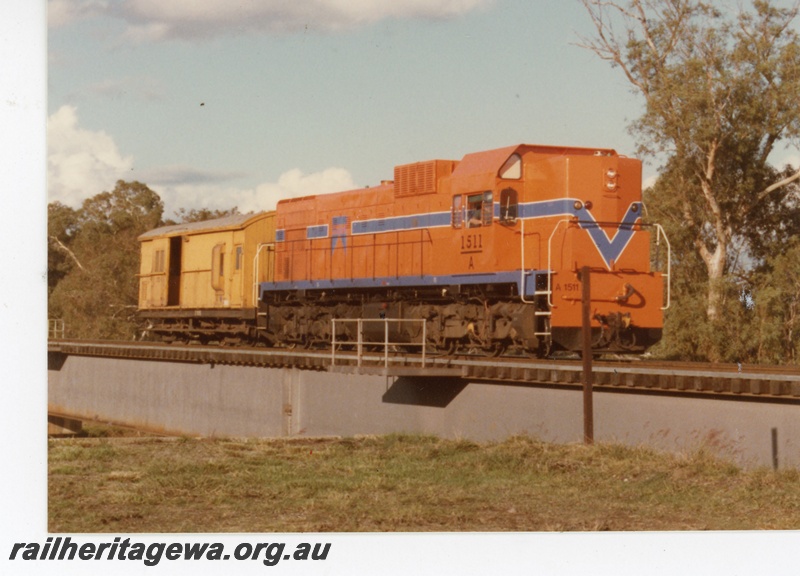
(218, 274)
(174, 281)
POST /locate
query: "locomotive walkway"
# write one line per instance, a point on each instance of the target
(747, 413)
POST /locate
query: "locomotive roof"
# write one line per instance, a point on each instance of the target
(487, 161)
(217, 224)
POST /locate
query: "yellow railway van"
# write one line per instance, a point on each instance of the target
(201, 278)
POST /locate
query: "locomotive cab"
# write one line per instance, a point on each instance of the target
(542, 214)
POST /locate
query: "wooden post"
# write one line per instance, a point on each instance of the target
(586, 309)
(774, 448)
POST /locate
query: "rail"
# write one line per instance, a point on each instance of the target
(386, 342)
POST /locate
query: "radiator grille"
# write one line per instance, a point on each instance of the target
(420, 178)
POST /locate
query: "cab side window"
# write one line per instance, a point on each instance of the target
(474, 210)
(457, 217)
(509, 207)
(480, 210)
(512, 169)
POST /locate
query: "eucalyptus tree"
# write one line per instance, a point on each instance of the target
(721, 94)
(97, 287)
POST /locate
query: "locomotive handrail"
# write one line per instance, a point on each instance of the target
(668, 277)
(659, 234)
(311, 248)
(522, 272)
(549, 259)
(386, 343)
(256, 282)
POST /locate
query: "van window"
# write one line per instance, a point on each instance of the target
(158, 261)
(239, 257)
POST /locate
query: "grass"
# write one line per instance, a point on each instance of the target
(402, 483)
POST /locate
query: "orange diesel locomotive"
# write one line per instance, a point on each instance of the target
(486, 251)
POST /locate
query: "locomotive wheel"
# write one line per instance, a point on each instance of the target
(628, 341)
(496, 350)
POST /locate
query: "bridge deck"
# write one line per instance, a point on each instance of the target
(243, 399)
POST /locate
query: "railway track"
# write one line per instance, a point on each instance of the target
(744, 382)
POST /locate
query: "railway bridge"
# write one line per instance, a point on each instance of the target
(748, 414)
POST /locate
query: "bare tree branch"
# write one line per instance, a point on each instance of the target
(69, 252)
(780, 184)
(608, 47)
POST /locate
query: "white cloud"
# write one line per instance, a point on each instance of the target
(294, 183)
(80, 162)
(649, 181)
(265, 196)
(153, 20)
(63, 12)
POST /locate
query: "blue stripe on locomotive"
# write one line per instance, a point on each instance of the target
(609, 248)
(398, 223)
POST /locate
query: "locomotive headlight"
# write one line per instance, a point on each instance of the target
(577, 205)
(611, 179)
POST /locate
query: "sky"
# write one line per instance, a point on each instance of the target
(241, 103)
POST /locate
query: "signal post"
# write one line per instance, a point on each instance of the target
(588, 381)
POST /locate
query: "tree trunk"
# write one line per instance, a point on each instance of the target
(715, 264)
(716, 271)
